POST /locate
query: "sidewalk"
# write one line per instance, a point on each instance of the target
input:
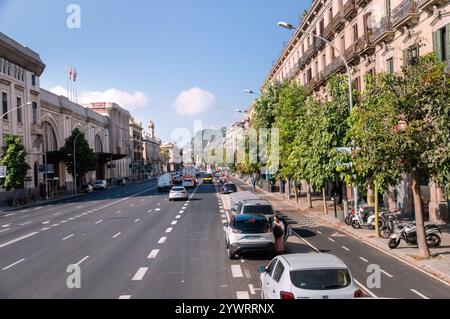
(438, 265)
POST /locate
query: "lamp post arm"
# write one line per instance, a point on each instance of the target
(15, 109)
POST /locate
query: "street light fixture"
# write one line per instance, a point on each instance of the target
(289, 26)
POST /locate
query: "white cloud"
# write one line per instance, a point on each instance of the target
(194, 101)
(130, 101)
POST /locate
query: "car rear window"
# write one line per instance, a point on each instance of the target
(252, 226)
(321, 279)
(258, 209)
(178, 189)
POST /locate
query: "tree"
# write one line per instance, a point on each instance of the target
(86, 159)
(403, 126)
(14, 158)
(165, 158)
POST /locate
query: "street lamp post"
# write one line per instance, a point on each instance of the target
(350, 93)
(75, 163)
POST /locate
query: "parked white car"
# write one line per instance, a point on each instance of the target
(178, 193)
(188, 183)
(100, 184)
(249, 233)
(307, 276)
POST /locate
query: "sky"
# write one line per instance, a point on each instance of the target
(171, 62)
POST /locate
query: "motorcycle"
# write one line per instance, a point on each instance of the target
(408, 233)
(365, 218)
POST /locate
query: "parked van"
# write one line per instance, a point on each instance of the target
(165, 183)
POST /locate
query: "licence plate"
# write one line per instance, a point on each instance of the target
(252, 237)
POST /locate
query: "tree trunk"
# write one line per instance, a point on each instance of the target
(418, 209)
(325, 205)
(345, 199)
(296, 191)
(308, 196)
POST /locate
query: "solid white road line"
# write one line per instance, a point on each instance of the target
(365, 289)
(169, 230)
(117, 235)
(162, 240)
(252, 289)
(70, 236)
(18, 239)
(174, 223)
(387, 274)
(98, 221)
(419, 294)
(364, 259)
(12, 265)
(9, 215)
(236, 271)
(242, 295)
(153, 254)
(82, 261)
(140, 274)
(125, 297)
(345, 248)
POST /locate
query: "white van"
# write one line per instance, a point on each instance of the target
(165, 183)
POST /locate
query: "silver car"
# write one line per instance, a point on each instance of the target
(178, 193)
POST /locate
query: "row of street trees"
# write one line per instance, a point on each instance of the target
(401, 124)
(15, 160)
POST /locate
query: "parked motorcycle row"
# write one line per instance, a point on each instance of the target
(392, 228)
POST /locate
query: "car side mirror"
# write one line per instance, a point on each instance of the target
(262, 270)
(233, 210)
(226, 225)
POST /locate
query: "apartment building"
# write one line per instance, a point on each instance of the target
(372, 36)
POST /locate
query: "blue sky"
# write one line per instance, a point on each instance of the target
(152, 51)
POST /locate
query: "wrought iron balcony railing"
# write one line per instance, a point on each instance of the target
(406, 14)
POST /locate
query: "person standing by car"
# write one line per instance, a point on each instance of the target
(278, 232)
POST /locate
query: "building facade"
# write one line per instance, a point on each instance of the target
(137, 147)
(119, 138)
(59, 117)
(152, 151)
(20, 71)
(373, 36)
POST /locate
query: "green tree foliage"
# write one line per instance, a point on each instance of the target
(14, 158)
(403, 126)
(86, 159)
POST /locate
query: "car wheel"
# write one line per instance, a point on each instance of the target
(231, 254)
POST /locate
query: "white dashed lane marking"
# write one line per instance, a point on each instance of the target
(125, 297)
(252, 289)
(236, 271)
(162, 240)
(242, 295)
(174, 223)
(25, 223)
(153, 254)
(137, 220)
(82, 260)
(1, 231)
(364, 259)
(169, 230)
(419, 294)
(345, 248)
(387, 274)
(140, 274)
(117, 235)
(98, 221)
(12, 265)
(70, 236)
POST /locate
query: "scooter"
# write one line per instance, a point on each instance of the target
(365, 218)
(408, 233)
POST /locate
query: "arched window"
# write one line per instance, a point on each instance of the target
(50, 141)
(98, 144)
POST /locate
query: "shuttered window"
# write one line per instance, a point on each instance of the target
(441, 43)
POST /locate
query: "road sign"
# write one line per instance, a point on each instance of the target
(344, 150)
(3, 171)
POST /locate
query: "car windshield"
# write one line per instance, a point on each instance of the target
(208, 176)
(252, 226)
(258, 209)
(99, 182)
(178, 189)
(321, 279)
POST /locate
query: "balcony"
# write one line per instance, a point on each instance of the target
(427, 5)
(365, 44)
(328, 32)
(383, 31)
(318, 44)
(351, 54)
(320, 79)
(350, 10)
(312, 84)
(336, 66)
(306, 57)
(405, 14)
(36, 129)
(362, 3)
(338, 22)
